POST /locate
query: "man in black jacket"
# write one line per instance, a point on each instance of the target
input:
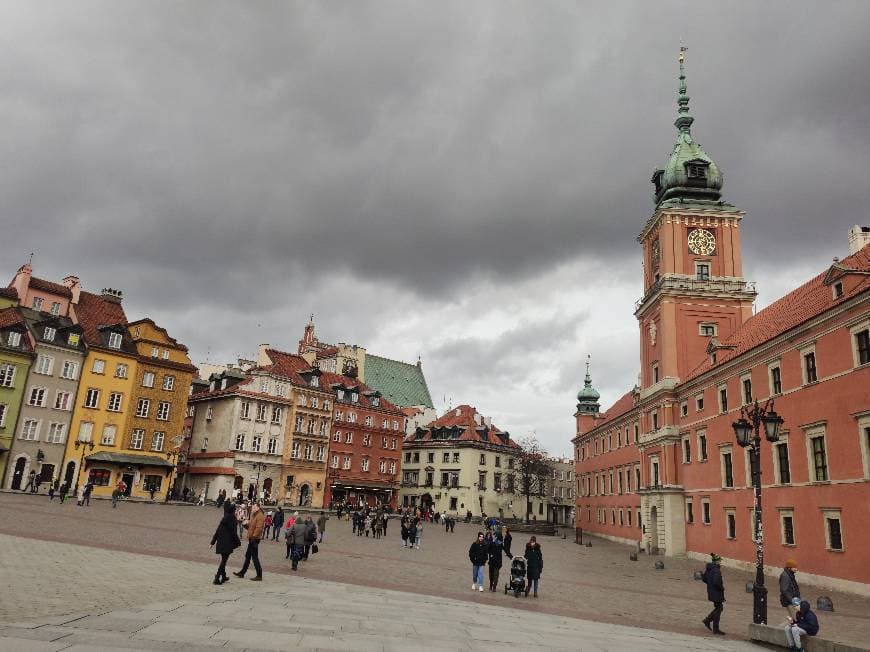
(478, 553)
(712, 577)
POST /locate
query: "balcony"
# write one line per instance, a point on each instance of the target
(713, 286)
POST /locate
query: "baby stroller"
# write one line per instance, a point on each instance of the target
(517, 583)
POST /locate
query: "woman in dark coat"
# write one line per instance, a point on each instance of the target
(534, 565)
(225, 540)
(495, 560)
(506, 543)
(712, 577)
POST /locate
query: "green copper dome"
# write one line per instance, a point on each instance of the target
(690, 173)
(587, 398)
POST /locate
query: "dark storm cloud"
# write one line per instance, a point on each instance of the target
(233, 166)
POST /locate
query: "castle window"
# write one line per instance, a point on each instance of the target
(838, 290)
(702, 271)
(707, 330)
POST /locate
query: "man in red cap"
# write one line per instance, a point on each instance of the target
(788, 587)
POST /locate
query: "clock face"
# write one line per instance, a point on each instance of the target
(702, 242)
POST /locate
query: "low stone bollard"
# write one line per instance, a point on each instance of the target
(660, 565)
(588, 544)
(699, 576)
(632, 556)
(824, 603)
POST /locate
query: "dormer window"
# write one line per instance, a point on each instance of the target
(13, 339)
(696, 170)
(114, 340)
(354, 397)
(49, 334)
(315, 381)
(838, 290)
(376, 401)
(340, 394)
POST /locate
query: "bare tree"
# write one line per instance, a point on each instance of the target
(531, 472)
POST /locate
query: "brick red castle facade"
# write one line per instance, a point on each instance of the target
(661, 467)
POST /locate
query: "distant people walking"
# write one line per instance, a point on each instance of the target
(64, 487)
(80, 497)
(310, 536)
(712, 577)
(295, 537)
(788, 587)
(277, 523)
(256, 523)
(478, 555)
(321, 525)
(506, 540)
(31, 479)
(418, 534)
(51, 488)
(805, 623)
(495, 561)
(225, 541)
(412, 531)
(534, 565)
(89, 489)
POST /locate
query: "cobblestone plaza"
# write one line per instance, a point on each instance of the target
(140, 576)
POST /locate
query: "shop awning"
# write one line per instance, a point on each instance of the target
(361, 484)
(125, 459)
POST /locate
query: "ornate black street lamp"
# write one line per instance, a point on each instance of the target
(747, 430)
(84, 445)
(258, 467)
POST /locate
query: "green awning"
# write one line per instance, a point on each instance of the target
(128, 460)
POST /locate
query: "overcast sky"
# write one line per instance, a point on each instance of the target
(462, 181)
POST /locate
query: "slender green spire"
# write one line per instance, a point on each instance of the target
(684, 121)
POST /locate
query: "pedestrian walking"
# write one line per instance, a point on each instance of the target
(494, 557)
(80, 496)
(534, 565)
(89, 489)
(788, 587)
(321, 525)
(506, 540)
(419, 534)
(805, 623)
(478, 555)
(295, 538)
(225, 541)
(452, 524)
(385, 518)
(51, 491)
(152, 489)
(277, 523)
(712, 577)
(404, 531)
(255, 533)
(31, 479)
(310, 536)
(64, 487)
(412, 532)
(267, 527)
(241, 518)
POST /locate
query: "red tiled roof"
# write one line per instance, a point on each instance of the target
(802, 304)
(9, 293)
(9, 317)
(462, 417)
(327, 352)
(48, 286)
(289, 366)
(624, 404)
(93, 311)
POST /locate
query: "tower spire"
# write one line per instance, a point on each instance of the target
(588, 380)
(684, 121)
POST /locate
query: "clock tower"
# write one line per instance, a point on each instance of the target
(694, 291)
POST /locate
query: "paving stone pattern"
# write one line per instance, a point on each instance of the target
(68, 559)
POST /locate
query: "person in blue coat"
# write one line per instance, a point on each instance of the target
(712, 577)
(804, 623)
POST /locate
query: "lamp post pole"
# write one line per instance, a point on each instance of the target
(84, 445)
(259, 466)
(747, 430)
(171, 457)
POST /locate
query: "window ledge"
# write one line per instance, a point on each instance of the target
(789, 545)
(838, 550)
(819, 482)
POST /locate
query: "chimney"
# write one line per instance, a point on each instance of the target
(859, 237)
(478, 419)
(458, 412)
(75, 286)
(263, 358)
(488, 421)
(21, 282)
(111, 295)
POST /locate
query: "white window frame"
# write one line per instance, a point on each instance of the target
(702, 434)
(70, 370)
(169, 383)
(115, 402)
(137, 439)
(49, 334)
(810, 433)
(44, 365)
(863, 423)
(708, 324)
(853, 338)
(143, 408)
(7, 373)
(86, 431)
(828, 513)
(30, 429)
(706, 514)
(746, 400)
(163, 410)
(803, 352)
(56, 433)
(121, 370)
(110, 432)
(719, 389)
(272, 446)
(245, 410)
(96, 394)
(115, 340)
(770, 386)
(4, 410)
(13, 339)
(686, 439)
(256, 443)
(723, 451)
(37, 396)
(787, 512)
(774, 449)
(148, 379)
(730, 511)
(99, 366)
(240, 442)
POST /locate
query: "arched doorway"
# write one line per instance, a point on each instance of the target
(267, 487)
(653, 531)
(426, 501)
(304, 495)
(70, 474)
(18, 474)
(238, 482)
(46, 473)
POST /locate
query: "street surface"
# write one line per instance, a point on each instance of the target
(65, 567)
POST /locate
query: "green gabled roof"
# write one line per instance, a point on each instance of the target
(401, 383)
